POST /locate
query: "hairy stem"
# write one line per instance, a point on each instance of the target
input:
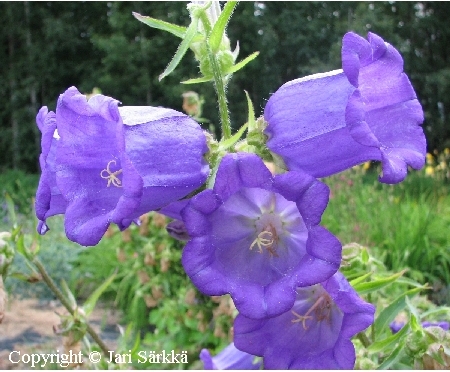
(65, 302)
(221, 96)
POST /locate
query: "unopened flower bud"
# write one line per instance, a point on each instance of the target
(226, 60)
(143, 227)
(159, 220)
(150, 301)
(190, 297)
(3, 299)
(165, 264)
(149, 260)
(143, 277)
(157, 293)
(126, 236)
(121, 255)
(191, 103)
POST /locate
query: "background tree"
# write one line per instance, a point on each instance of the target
(49, 46)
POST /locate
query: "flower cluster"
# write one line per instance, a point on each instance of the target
(251, 233)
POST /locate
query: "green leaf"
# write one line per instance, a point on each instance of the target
(388, 314)
(393, 358)
(11, 211)
(69, 294)
(182, 49)
(375, 285)
(203, 79)
(437, 311)
(413, 311)
(219, 27)
(19, 276)
(223, 145)
(360, 279)
(389, 341)
(20, 245)
(251, 113)
(89, 305)
(241, 64)
(365, 256)
(415, 325)
(178, 31)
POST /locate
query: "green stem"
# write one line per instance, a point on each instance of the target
(60, 296)
(221, 95)
(364, 340)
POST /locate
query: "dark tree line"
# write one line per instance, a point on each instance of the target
(49, 46)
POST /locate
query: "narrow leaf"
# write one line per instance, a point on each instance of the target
(393, 358)
(203, 79)
(182, 49)
(251, 113)
(89, 305)
(233, 139)
(178, 31)
(242, 64)
(388, 314)
(11, 211)
(374, 285)
(444, 310)
(69, 294)
(388, 341)
(219, 27)
(360, 279)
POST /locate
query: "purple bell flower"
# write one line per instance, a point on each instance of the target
(229, 358)
(257, 236)
(396, 326)
(326, 123)
(49, 200)
(314, 334)
(114, 164)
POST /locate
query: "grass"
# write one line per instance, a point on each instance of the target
(406, 225)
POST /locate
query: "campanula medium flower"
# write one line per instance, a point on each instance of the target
(257, 236)
(49, 200)
(114, 164)
(314, 334)
(326, 123)
(396, 326)
(229, 358)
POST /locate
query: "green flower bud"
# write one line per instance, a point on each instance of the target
(226, 60)
(6, 252)
(416, 344)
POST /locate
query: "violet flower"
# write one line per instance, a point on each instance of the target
(229, 358)
(314, 334)
(326, 123)
(396, 326)
(257, 236)
(49, 200)
(114, 164)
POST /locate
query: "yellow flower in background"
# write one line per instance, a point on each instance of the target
(430, 158)
(429, 171)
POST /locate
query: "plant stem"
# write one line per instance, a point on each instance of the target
(51, 284)
(221, 95)
(363, 338)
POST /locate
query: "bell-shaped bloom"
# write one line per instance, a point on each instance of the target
(257, 236)
(314, 334)
(326, 123)
(229, 358)
(396, 326)
(114, 164)
(49, 200)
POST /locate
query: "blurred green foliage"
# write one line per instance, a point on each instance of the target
(406, 225)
